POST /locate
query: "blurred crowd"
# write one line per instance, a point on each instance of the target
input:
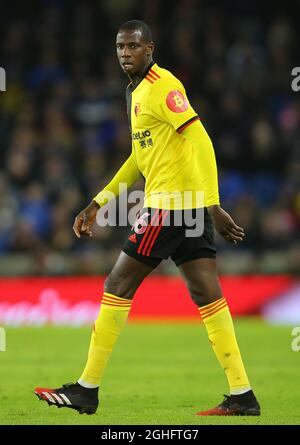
(64, 130)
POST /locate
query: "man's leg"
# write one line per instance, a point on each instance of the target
(119, 289)
(203, 283)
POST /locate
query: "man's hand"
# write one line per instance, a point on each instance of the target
(225, 225)
(85, 219)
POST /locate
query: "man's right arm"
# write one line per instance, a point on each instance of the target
(128, 174)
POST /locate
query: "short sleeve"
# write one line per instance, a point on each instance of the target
(169, 103)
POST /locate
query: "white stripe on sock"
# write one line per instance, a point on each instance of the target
(86, 384)
(237, 392)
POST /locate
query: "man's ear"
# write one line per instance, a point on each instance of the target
(151, 47)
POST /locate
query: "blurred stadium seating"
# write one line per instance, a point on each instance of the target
(63, 127)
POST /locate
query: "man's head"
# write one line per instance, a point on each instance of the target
(134, 47)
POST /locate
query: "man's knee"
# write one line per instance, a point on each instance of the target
(119, 285)
(203, 293)
(202, 280)
(202, 299)
(126, 276)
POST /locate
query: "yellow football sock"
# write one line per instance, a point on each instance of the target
(111, 319)
(218, 322)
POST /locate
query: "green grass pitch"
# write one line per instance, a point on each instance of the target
(158, 374)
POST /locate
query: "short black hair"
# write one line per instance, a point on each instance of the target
(133, 25)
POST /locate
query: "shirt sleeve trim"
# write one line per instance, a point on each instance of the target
(187, 123)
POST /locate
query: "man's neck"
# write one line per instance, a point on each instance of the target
(135, 79)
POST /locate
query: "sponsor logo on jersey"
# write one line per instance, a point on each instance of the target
(176, 101)
(141, 134)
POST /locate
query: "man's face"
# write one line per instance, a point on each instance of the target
(133, 53)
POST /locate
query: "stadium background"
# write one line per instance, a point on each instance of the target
(64, 133)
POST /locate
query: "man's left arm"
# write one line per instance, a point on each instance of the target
(196, 134)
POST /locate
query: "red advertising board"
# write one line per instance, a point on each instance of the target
(75, 300)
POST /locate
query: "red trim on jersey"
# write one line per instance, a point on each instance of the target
(151, 76)
(149, 80)
(189, 122)
(154, 73)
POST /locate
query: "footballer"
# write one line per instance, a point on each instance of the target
(172, 151)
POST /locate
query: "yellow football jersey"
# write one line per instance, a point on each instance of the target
(158, 112)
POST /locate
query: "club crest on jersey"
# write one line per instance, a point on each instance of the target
(137, 109)
(176, 101)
